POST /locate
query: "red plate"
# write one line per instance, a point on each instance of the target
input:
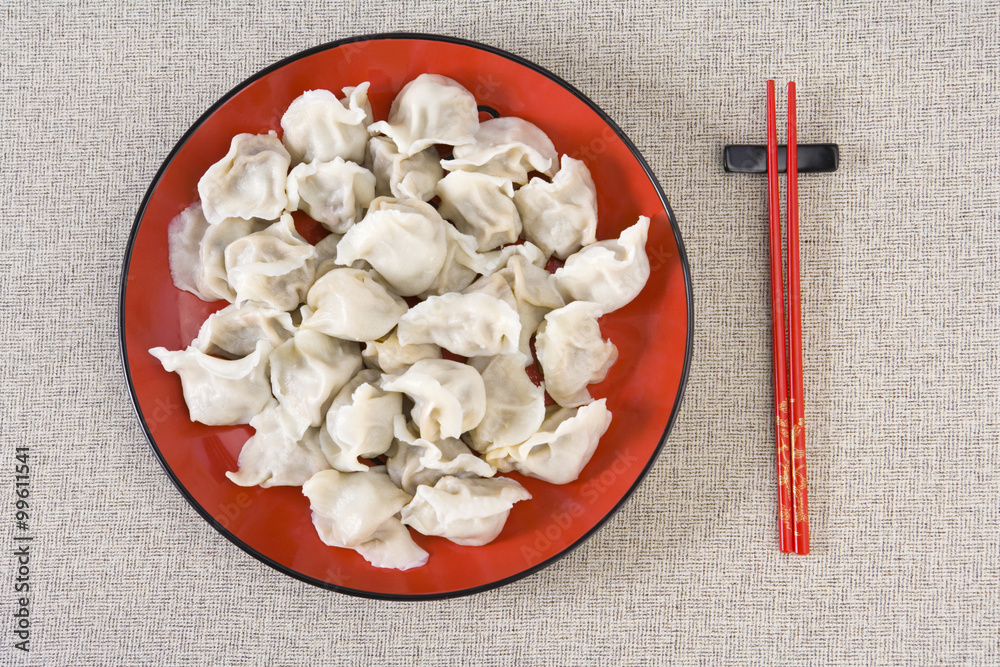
(644, 389)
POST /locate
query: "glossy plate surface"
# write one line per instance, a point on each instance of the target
(644, 388)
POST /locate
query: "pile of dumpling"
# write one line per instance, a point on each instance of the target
(385, 369)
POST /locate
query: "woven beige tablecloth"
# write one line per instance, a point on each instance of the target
(901, 300)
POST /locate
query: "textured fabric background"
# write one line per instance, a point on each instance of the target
(901, 291)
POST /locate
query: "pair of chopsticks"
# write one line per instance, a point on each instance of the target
(793, 504)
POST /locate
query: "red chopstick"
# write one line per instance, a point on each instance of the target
(786, 540)
(800, 500)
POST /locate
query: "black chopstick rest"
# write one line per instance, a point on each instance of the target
(813, 158)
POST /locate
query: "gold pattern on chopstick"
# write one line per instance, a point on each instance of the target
(784, 464)
(799, 472)
(781, 419)
(786, 517)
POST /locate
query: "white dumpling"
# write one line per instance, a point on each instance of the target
(572, 353)
(276, 455)
(449, 398)
(220, 391)
(334, 193)
(326, 249)
(560, 216)
(308, 370)
(481, 206)
(353, 305)
(562, 447)
(467, 511)
(515, 406)
(415, 461)
(507, 147)
(353, 504)
(493, 261)
(197, 252)
(535, 294)
(496, 286)
(318, 126)
(469, 325)
(249, 182)
(360, 422)
(461, 264)
(431, 109)
(390, 356)
(401, 176)
(233, 332)
(392, 546)
(273, 267)
(326, 254)
(610, 273)
(404, 241)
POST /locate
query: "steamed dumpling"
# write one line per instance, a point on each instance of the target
(610, 273)
(360, 422)
(326, 255)
(273, 267)
(469, 325)
(217, 391)
(415, 461)
(515, 406)
(392, 546)
(481, 206)
(249, 182)
(233, 332)
(495, 286)
(401, 176)
(467, 511)
(307, 371)
(351, 304)
(560, 216)
(197, 252)
(404, 241)
(431, 109)
(562, 447)
(493, 261)
(356, 510)
(276, 455)
(353, 504)
(462, 263)
(334, 193)
(535, 295)
(509, 148)
(572, 352)
(318, 126)
(390, 356)
(449, 398)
